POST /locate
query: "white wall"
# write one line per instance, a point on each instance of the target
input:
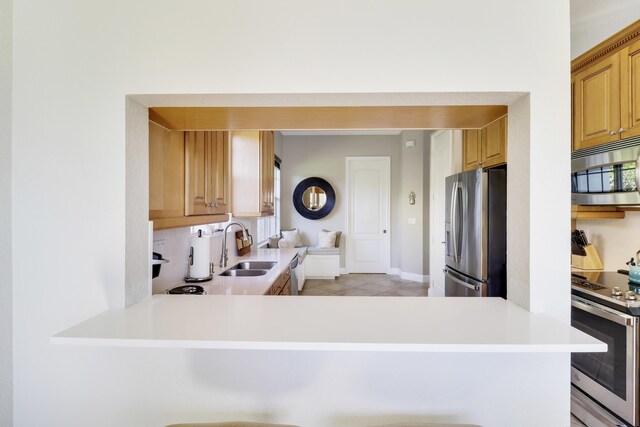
(593, 21)
(412, 180)
(616, 240)
(75, 61)
(277, 144)
(6, 291)
(323, 156)
(426, 196)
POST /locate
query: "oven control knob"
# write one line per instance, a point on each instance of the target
(630, 295)
(616, 292)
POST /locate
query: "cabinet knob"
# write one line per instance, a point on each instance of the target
(613, 132)
(621, 130)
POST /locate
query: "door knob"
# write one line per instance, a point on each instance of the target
(384, 231)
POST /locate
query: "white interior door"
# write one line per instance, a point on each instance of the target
(446, 159)
(368, 204)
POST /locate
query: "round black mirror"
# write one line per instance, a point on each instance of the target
(314, 198)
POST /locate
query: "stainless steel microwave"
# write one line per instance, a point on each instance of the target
(608, 174)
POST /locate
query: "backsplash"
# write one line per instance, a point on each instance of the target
(616, 240)
(177, 242)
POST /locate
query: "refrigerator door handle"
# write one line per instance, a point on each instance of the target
(460, 227)
(460, 282)
(452, 217)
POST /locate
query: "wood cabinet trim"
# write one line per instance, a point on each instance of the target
(607, 47)
(186, 221)
(318, 118)
(597, 212)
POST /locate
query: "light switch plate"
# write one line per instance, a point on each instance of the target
(412, 221)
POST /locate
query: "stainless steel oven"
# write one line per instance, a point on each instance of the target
(609, 378)
(608, 174)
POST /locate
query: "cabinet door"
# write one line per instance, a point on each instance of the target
(246, 170)
(494, 143)
(597, 104)
(206, 166)
(217, 171)
(471, 149)
(166, 172)
(267, 163)
(630, 90)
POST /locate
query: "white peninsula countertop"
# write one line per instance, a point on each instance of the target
(332, 323)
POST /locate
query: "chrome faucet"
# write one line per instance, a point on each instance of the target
(223, 255)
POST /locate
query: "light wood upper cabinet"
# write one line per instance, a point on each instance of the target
(166, 173)
(494, 143)
(206, 168)
(597, 104)
(267, 161)
(630, 90)
(606, 90)
(252, 163)
(471, 149)
(486, 147)
(185, 170)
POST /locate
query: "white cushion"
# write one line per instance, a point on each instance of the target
(327, 239)
(316, 250)
(292, 236)
(338, 235)
(284, 243)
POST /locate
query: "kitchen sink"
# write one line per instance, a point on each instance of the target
(254, 265)
(244, 272)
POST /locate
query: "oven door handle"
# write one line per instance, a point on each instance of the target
(617, 317)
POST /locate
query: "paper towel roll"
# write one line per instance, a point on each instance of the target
(201, 257)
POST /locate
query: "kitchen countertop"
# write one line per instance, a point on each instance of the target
(333, 323)
(253, 285)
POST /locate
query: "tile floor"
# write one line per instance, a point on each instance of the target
(365, 285)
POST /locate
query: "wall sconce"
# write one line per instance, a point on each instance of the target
(412, 198)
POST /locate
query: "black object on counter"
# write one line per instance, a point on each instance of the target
(187, 290)
(155, 269)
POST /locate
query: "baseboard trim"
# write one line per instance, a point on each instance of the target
(422, 278)
(396, 272)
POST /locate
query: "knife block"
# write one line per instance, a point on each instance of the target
(589, 262)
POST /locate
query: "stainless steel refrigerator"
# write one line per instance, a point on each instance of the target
(476, 233)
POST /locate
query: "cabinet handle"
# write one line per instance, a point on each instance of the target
(621, 130)
(613, 132)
